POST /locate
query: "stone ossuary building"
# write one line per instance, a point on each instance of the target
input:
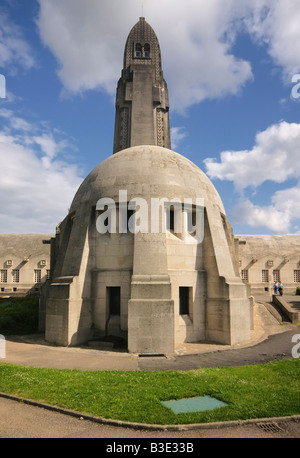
(146, 251)
(159, 284)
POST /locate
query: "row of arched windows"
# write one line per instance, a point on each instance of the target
(142, 51)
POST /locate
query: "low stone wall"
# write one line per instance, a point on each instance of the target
(286, 308)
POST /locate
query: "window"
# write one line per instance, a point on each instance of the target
(244, 275)
(174, 218)
(114, 300)
(37, 276)
(48, 274)
(138, 50)
(3, 276)
(171, 219)
(142, 51)
(16, 276)
(265, 276)
(184, 300)
(276, 275)
(297, 276)
(130, 220)
(147, 50)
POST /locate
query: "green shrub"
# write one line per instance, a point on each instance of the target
(19, 315)
(298, 291)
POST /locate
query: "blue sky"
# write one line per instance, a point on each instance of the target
(229, 66)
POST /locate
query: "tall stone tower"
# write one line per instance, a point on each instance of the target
(142, 102)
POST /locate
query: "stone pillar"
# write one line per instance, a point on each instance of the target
(228, 305)
(150, 309)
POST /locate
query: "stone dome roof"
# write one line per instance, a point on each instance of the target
(148, 172)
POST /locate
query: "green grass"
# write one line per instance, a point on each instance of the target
(268, 390)
(19, 315)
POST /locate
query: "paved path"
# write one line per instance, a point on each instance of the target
(270, 341)
(18, 420)
(29, 353)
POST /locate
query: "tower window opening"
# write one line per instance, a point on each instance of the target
(142, 51)
(147, 50)
(138, 50)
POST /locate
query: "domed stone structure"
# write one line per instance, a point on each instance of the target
(146, 251)
(160, 289)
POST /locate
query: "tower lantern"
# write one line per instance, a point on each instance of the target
(142, 101)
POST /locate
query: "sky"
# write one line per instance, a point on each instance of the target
(233, 73)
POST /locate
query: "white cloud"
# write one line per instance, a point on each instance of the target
(89, 42)
(276, 24)
(37, 185)
(196, 38)
(280, 217)
(177, 135)
(15, 52)
(270, 217)
(275, 156)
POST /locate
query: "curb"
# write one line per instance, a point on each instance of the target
(145, 426)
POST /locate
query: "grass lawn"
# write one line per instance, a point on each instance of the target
(267, 390)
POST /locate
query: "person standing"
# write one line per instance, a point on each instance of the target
(281, 289)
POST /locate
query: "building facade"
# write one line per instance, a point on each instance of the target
(265, 259)
(24, 263)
